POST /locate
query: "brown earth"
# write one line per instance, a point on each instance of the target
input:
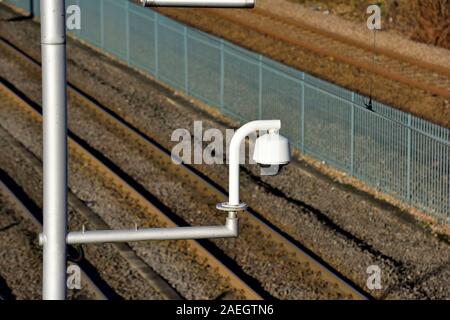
(424, 21)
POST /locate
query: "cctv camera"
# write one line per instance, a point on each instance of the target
(271, 169)
(272, 152)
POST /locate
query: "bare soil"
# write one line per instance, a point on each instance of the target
(423, 21)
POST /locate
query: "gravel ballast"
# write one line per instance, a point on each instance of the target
(345, 228)
(280, 274)
(21, 255)
(173, 260)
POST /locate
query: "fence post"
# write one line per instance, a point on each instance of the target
(127, 33)
(302, 115)
(32, 10)
(408, 161)
(156, 46)
(260, 87)
(186, 67)
(222, 74)
(77, 31)
(102, 26)
(352, 137)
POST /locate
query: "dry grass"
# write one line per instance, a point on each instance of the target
(426, 21)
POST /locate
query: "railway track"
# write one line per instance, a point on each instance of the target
(199, 182)
(94, 284)
(159, 286)
(389, 64)
(81, 152)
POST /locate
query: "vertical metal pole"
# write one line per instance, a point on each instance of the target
(55, 148)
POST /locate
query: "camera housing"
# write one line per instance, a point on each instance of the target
(272, 152)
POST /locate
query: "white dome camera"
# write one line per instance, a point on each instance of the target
(272, 152)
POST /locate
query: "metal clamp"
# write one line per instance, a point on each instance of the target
(225, 206)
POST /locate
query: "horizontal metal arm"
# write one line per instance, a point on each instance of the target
(200, 3)
(229, 230)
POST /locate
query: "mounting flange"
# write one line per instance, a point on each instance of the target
(225, 206)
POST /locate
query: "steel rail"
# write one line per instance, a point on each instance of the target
(27, 214)
(207, 188)
(204, 186)
(148, 206)
(97, 222)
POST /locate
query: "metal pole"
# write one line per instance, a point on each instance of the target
(55, 148)
(229, 230)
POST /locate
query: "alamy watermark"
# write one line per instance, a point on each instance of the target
(73, 17)
(374, 279)
(191, 148)
(211, 147)
(73, 277)
(374, 20)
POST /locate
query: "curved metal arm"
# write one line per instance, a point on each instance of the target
(230, 229)
(235, 146)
